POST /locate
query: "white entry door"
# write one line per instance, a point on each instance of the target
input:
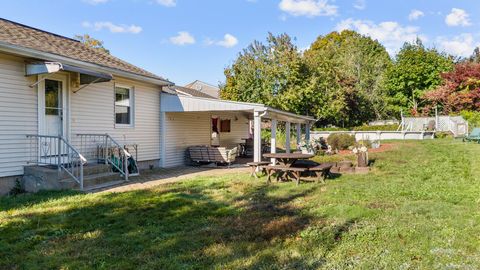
(54, 107)
(52, 99)
(52, 110)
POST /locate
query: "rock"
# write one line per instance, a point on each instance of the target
(347, 170)
(344, 164)
(362, 170)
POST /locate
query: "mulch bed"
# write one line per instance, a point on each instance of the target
(383, 147)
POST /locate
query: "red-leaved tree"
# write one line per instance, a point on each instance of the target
(459, 91)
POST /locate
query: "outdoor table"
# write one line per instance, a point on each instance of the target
(288, 159)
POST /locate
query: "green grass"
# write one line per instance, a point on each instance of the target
(418, 209)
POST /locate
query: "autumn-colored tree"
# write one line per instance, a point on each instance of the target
(92, 42)
(460, 90)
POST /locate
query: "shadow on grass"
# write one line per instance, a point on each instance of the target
(182, 227)
(26, 199)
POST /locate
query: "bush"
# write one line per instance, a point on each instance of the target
(330, 129)
(472, 117)
(376, 128)
(443, 134)
(341, 141)
(17, 188)
(365, 143)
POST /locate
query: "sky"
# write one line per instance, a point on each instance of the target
(186, 40)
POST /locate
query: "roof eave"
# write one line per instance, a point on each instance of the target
(27, 52)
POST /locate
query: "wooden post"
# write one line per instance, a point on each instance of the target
(307, 132)
(273, 141)
(257, 138)
(288, 137)
(299, 133)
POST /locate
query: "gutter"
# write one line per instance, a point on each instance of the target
(27, 52)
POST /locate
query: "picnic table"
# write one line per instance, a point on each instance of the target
(287, 167)
(288, 159)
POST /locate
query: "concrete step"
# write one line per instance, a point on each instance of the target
(90, 169)
(91, 180)
(103, 186)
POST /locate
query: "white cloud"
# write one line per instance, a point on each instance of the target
(360, 4)
(183, 38)
(308, 8)
(457, 17)
(415, 14)
(228, 41)
(167, 3)
(391, 34)
(461, 45)
(95, 2)
(114, 28)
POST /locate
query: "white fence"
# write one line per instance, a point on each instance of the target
(454, 124)
(378, 135)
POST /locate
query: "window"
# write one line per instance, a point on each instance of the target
(123, 106)
(225, 125)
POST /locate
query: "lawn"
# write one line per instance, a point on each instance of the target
(418, 208)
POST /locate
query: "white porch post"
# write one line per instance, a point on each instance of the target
(287, 135)
(299, 132)
(257, 138)
(307, 132)
(273, 140)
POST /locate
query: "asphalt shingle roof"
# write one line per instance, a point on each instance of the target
(189, 91)
(28, 37)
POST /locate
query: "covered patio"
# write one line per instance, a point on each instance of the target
(192, 118)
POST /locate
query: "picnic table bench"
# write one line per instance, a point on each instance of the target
(282, 170)
(255, 165)
(321, 171)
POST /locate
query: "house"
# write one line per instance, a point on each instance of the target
(204, 87)
(70, 114)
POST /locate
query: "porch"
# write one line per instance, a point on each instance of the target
(193, 121)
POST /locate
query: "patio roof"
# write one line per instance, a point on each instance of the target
(177, 103)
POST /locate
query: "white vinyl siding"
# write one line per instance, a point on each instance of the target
(92, 111)
(188, 129)
(18, 115)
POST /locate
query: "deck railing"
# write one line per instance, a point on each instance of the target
(105, 149)
(56, 151)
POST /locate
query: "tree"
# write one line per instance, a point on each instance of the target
(416, 70)
(460, 90)
(92, 42)
(347, 72)
(271, 73)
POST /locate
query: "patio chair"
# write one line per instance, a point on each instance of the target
(473, 136)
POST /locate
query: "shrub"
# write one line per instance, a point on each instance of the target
(365, 143)
(444, 134)
(341, 141)
(376, 128)
(472, 117)
(330, 129)
(17, 188)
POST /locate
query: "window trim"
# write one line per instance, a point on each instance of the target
(131, 93)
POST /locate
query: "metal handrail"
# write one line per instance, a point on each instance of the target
(57, 151)
(106, 142)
